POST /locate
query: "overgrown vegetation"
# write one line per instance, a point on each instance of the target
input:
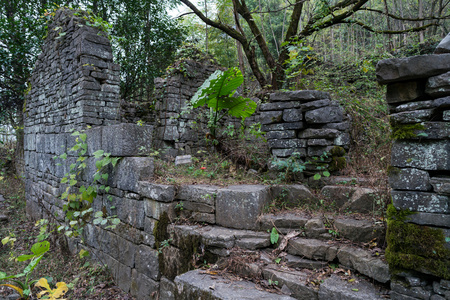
(84, 280)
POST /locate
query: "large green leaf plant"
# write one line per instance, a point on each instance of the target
(217, 92)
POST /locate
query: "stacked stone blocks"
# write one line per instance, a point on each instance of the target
(418, 94)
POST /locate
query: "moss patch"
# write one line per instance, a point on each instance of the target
(415, 247)
(405, 131)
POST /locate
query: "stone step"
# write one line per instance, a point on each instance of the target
(350, 257)
(326, 227)
(304, 252)
(199, 285)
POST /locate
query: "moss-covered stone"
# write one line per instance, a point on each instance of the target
(337, 151)
(393, 170)
(405, 131)
(415, 247)
(337, 163)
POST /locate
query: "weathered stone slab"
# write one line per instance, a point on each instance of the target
(199, 285)
(362, 261)
(363, 200)
(288, 152)
(279, 105)
(360, 230)
(198, 193)
(338, 194)
(438, 85)
(269, 117)
(155, 209)
(292, 115)
(167, 289)
(295, 194)
(404, 91)
(327, 114)
(421, 201)
(158, 192)
(422, 218)
(315, 104)
(142, 287)
(253, 243)
(312, 249)
(282, 126)
(409, 179)
(412, 117)
(240, 206)
(335, 288)
(183, 160)
(415, 292)
(296, 281)
(444, 45)
(147, 262)
(286, 143)
(130, 170)
(421, 155)
(284, 222)
(302, 263)
(415, 67)
(441, 184)
(126, 139)
(318, 133)
(285, 134)
(302, 96)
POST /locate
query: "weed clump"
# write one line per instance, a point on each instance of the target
(405, 131)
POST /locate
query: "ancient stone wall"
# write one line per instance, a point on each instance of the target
(418, 94)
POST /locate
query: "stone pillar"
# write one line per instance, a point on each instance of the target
(418, 252)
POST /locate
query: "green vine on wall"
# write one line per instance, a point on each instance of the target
(79, 198)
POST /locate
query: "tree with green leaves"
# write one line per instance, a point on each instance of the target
(301, 20)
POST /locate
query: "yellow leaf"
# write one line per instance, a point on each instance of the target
(18, 289)
(43, 283)
(61, 289)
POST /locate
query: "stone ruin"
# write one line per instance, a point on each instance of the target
(76, 84)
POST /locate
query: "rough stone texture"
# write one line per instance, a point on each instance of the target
(329, 114)
(444, 46)
(240, 206)
(334, 288)
(421, 155)
(312, 249)
(404, 91)
(285, 222)
(415, 67)
(130, 170)
(294, 280)
(302, 96)
(294, 195)
(409, 179)
(363, 200)
(421, 162)
(363, 262)
(438, 85)
(360, 230)
(198, 285)
(340, 195)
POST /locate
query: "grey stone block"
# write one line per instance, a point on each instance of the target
(340, 195)
(409, 179)
(292, 115)
(198, 193)
(284, 222)
(167, 289)
(421, 155)
(286, 143)
(130, 170)
(444, 45)
(362, 261)
(315, 104)
(335, 288)
(405, 91)
(155, 209)
(285, 134)
(123, 277)
(360, 230)
(126, 139)
(328, 114)
(296, 281)
(438, 85)
(158, 192)
(127, 251)
(412, 117)
(312, 249)
(415, 67)
(129, 211)
(197, 285)
(283, 153)
(279, 105)
(142, 287)
(302, 96)
(147, 262)
(294, 195)
(421, 201)
(269, 117)
(240, 206)
(438, 220)
(282, 126)
(441, 184)
(94, 139)
(318, 133)
(415, 292)
(363, 200)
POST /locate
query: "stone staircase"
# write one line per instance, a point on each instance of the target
(318, 257)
